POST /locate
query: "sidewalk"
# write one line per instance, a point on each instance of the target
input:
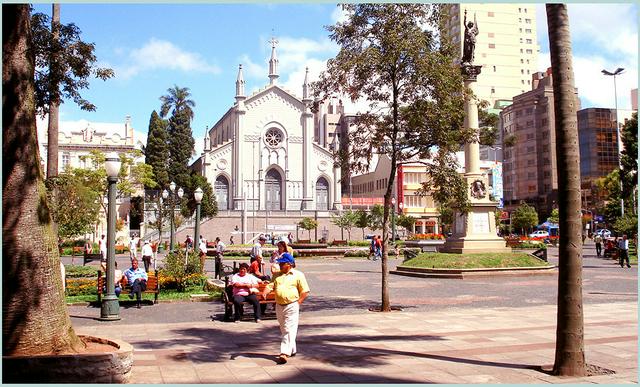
(499, 345)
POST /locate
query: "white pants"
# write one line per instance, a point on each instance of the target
(288, 317)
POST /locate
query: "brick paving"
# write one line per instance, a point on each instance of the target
(455, 345)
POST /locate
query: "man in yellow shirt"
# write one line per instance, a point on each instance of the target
(291, 289)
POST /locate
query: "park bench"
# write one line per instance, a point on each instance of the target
(91, 257)
(227, 298)
(153, 286)
(339, 243)
(303, 241)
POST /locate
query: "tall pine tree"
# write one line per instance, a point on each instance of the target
(181, 142)
(157, 149)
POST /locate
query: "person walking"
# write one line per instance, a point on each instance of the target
(147, 254)
(623, 251)
(291, 289)
(102, 244)
(378, 248)
(202, 253)
(598, 240)
(133, 246)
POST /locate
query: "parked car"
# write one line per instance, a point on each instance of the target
(540, 234)
(604, 233)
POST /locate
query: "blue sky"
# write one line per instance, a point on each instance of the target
(152, 47)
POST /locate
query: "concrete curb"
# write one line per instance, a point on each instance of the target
(475, 273)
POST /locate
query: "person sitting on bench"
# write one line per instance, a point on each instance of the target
(136, 277)
(245, 288)
(117, 277)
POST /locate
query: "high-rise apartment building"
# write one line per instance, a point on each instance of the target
(529, 144)
(506, 46)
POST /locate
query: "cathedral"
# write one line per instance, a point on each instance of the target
(262, 153)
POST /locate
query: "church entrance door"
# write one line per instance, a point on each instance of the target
(221, 188)
(322, 194)
(273, 188)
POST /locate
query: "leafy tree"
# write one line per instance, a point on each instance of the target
(376, 216)
(391, 56)
(64, 64)
(554, 217)
(345, 221)
(76, 208)
(446, 217)
(180, 140)
(524, 217)
(627, 224)
(35, 318)
(629, 161)
(308, 224)
(132, 176)
(209, 206)
(362, 220)
(406, 221)
(569, 354)
(488, 125)
(157, 149)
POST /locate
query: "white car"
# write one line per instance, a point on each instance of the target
(539, 234)
(604, 233)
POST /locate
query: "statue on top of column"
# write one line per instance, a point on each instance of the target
(470, 33)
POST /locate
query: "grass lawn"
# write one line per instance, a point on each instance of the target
(473, 261)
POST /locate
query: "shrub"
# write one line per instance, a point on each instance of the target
(175, 268)
(356, 253)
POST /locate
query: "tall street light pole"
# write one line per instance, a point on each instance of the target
(618, 71)
(110, 308)
(165, 195)
(197, 195)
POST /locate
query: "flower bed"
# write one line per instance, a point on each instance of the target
(422, 237)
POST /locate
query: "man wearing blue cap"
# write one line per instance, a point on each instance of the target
(291, 289)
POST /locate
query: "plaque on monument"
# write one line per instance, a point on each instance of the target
(480, 223)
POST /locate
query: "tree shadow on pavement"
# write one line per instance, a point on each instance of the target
(348, 351)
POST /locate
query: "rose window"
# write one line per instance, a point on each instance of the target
(273, 137)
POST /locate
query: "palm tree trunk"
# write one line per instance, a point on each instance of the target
(569, 356)
(35, 318)
(52, 131)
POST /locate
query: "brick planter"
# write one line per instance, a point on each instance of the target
(110, 367)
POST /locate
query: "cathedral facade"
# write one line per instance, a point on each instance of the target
(261, 154)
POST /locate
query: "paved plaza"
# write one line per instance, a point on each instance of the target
(490, 330)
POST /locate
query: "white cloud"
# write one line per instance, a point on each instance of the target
(603, 36)
(250, 69)
(161, 54)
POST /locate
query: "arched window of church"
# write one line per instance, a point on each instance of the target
(273, 137)
(221, 188)
(322, 194)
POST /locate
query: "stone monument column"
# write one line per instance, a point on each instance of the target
(475, 231)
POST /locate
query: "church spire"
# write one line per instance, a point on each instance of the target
(273, 62)
(240, 83)
(305, 85)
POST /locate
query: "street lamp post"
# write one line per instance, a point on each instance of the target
(172, 188)
(400, 208)
(618, 71)
(393, 219)
(197, 195)
(110, 308)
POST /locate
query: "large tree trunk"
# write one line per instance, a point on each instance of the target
(52, 131)
(35, 319)
(569, 357)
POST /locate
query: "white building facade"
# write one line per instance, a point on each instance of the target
(261, 155)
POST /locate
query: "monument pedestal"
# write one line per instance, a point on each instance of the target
(475, 231)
